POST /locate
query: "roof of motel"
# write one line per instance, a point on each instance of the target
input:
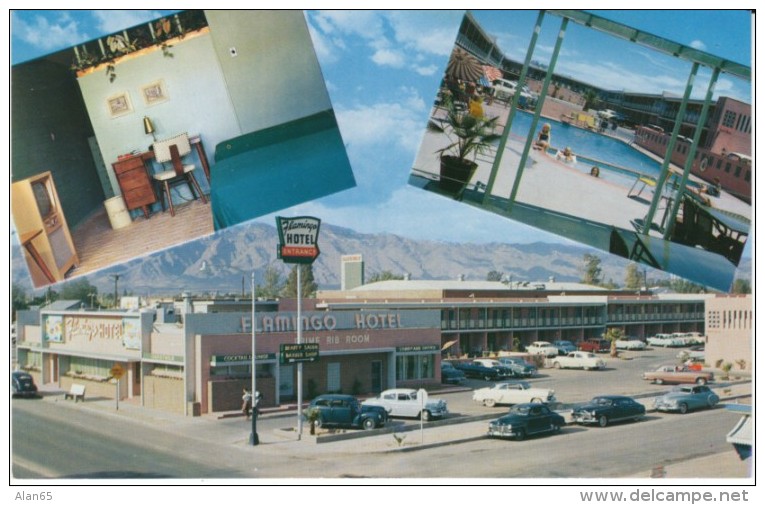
(467, 285)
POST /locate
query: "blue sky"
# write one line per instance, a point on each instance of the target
(382, 69)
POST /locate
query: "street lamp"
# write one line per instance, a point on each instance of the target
(255, 396)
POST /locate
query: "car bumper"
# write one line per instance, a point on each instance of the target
(501, 432)
(584, 418)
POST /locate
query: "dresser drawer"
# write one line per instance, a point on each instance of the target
(139, 197)
(128, 164)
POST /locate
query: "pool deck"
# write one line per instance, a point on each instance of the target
(554, 185)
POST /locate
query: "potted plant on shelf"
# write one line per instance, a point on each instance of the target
(469, 136)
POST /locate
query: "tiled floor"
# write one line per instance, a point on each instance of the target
(99, 246)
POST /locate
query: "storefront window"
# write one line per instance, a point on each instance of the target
(415, 366)
(90, 366)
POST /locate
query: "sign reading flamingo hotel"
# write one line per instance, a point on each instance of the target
(298, 239)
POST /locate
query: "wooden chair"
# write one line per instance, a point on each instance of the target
(173, 150)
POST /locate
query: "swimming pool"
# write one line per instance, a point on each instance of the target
(600, 149)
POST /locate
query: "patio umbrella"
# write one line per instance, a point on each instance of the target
(492, 73)
(463, 66)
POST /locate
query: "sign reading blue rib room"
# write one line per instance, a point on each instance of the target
(298, 239)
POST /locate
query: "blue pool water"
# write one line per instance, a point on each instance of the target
(591, 145)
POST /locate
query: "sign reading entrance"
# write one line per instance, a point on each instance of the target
(298, 239)
(298, 353)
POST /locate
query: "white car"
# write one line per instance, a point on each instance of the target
(505, 90)
(405, 403)
(630, 344)
(543, 348)
(665, 340)
(579, 359)
(512, 393)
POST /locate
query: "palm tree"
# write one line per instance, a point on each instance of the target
(613, 334)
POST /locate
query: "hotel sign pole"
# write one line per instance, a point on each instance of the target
(298, 243)
(254, 439)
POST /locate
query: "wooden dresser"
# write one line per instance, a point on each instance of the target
(135, 182)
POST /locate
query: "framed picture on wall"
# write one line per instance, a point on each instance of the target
(119, 105)
(154, 93)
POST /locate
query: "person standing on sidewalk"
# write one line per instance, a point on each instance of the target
(246, 402)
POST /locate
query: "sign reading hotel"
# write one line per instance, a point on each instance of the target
(298, 239)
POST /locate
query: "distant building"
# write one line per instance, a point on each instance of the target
(730, 328)
(351, 271)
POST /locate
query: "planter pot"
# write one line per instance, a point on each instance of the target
(455, 174)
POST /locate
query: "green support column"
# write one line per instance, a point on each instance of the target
(513, 107)
(537, 113)
(670, 149)
(691, 154)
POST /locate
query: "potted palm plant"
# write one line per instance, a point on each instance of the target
(469, 136)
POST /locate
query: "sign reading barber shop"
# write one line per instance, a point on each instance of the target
(298, 239)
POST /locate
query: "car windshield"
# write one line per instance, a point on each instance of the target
(520, 410)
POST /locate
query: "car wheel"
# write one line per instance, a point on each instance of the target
(555, 429)
(557, 365)
(602, 421)
(425, 414)
(489, 402)
(520, 434)
(683, 407)
(317, 422)
(659, 381)
(701, 381)
(711, 401)
(487, 378)
(369, 424)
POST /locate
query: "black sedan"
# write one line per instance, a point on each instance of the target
(603, 410)
(23, 384)
(526, 419)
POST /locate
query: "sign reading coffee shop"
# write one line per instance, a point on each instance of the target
(298, 239)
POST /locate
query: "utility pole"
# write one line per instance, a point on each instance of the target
(116, 278)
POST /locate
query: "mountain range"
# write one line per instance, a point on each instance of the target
(223, 262)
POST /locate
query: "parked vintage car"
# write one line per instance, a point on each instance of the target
(686, 398)
(595, 345)
(665, 340)
(564, 346)
(579, 359)
(695, 353)
(504, 371)
(476, 370)
(690, 338)
(526, 419)
(405, 403)
(513, 392)
(672, 374)
(519, 366)
(345, 411)
(22, 384)
(450, 375)
(607, 409)
(543, 348)
(630, 344)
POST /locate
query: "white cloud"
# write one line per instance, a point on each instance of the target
(426, 70)
(46, 34)
(388, 57)
(111, 21)
(697, 44)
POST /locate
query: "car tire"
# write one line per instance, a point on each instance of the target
(683, 408)
(711, 401)
(520, 434)
(701, 381)
(369, 424)
(489, 402)
(557, 365)
(317, 423)
(659, 381)
(602, 421)
(555, 429)
(425, 415)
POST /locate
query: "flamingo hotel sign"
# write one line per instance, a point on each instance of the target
(298, 239)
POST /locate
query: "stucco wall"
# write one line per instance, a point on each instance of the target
(163, 393)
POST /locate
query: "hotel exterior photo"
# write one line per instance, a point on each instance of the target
(193, 356)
